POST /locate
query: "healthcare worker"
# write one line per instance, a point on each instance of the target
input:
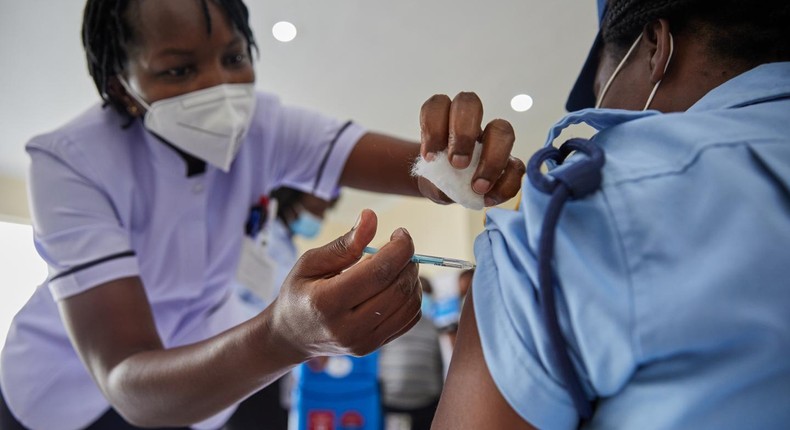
(139, 206)
(670, 279)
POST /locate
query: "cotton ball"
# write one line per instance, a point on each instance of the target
(456, 183)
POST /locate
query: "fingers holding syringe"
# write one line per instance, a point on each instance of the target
(341, 253)
(386, 315)
(390, 326)
(385, 270)
(401, 299)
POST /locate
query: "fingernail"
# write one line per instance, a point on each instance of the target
(356, 223)
(481, 186)
(460, 161)
(353, 230)
(430, 156)
(489, 201)
(401, 232)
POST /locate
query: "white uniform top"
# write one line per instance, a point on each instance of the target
(109, 203)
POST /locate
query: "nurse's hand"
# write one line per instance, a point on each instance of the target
(331, 305)
(455, 125)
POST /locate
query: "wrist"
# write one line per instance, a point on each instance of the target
(277, 341)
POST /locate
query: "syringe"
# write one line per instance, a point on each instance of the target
(430, 259)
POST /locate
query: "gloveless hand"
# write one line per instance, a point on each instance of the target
(328, 305)
(455, 125)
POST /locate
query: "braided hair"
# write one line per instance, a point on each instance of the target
(754, 31)
(108, 36)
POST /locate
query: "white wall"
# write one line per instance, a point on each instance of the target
(13, 200)
(21, 270)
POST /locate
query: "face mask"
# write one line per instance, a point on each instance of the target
(623, 61)
(306, 225)
(209, 124)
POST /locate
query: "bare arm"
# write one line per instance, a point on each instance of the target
(322, 310)
(382, 163)
(470, 399)
(113, 329)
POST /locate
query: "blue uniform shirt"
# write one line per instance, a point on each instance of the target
(674, 278)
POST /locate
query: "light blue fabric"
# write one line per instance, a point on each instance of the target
(674, 278)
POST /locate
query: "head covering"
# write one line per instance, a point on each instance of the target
(582, 95)
(618, 19)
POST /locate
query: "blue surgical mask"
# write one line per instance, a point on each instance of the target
(306, 225)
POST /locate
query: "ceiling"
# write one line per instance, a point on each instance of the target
(372, 61)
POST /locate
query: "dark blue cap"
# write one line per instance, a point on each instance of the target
(582, 94)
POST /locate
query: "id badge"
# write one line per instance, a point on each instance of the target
(256, 270)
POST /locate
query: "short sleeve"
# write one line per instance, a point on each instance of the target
(593, 306)
(311, 150)
(76, 227)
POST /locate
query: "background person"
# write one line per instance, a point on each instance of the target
(411, 375)
(297, 213)
(138, 208)
(672, 277)
(448, 296)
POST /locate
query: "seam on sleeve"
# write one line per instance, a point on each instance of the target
(324, 161)
(92, 263)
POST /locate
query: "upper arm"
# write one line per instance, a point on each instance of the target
(470, 399)
(81, 233)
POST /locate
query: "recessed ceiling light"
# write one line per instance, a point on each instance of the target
(521, 103)
(284, 31)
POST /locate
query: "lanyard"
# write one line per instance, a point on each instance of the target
(573, 181)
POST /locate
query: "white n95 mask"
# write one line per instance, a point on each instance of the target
(209, 124)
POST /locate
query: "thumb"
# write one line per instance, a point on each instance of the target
(342, 252)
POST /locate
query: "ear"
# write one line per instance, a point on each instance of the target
(660, 45)
(117, 92)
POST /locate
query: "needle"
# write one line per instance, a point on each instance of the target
(429, 259)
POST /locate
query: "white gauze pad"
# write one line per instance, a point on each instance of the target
(456, 183)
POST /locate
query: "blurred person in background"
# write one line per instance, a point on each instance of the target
(411, 375)
(273, 224)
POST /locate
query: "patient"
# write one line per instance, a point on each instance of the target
(672, 278)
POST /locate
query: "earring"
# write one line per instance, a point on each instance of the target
(133, 110)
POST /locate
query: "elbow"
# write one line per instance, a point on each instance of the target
(146, 416)
(138, 420)
(121, 394)
(136, 405)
